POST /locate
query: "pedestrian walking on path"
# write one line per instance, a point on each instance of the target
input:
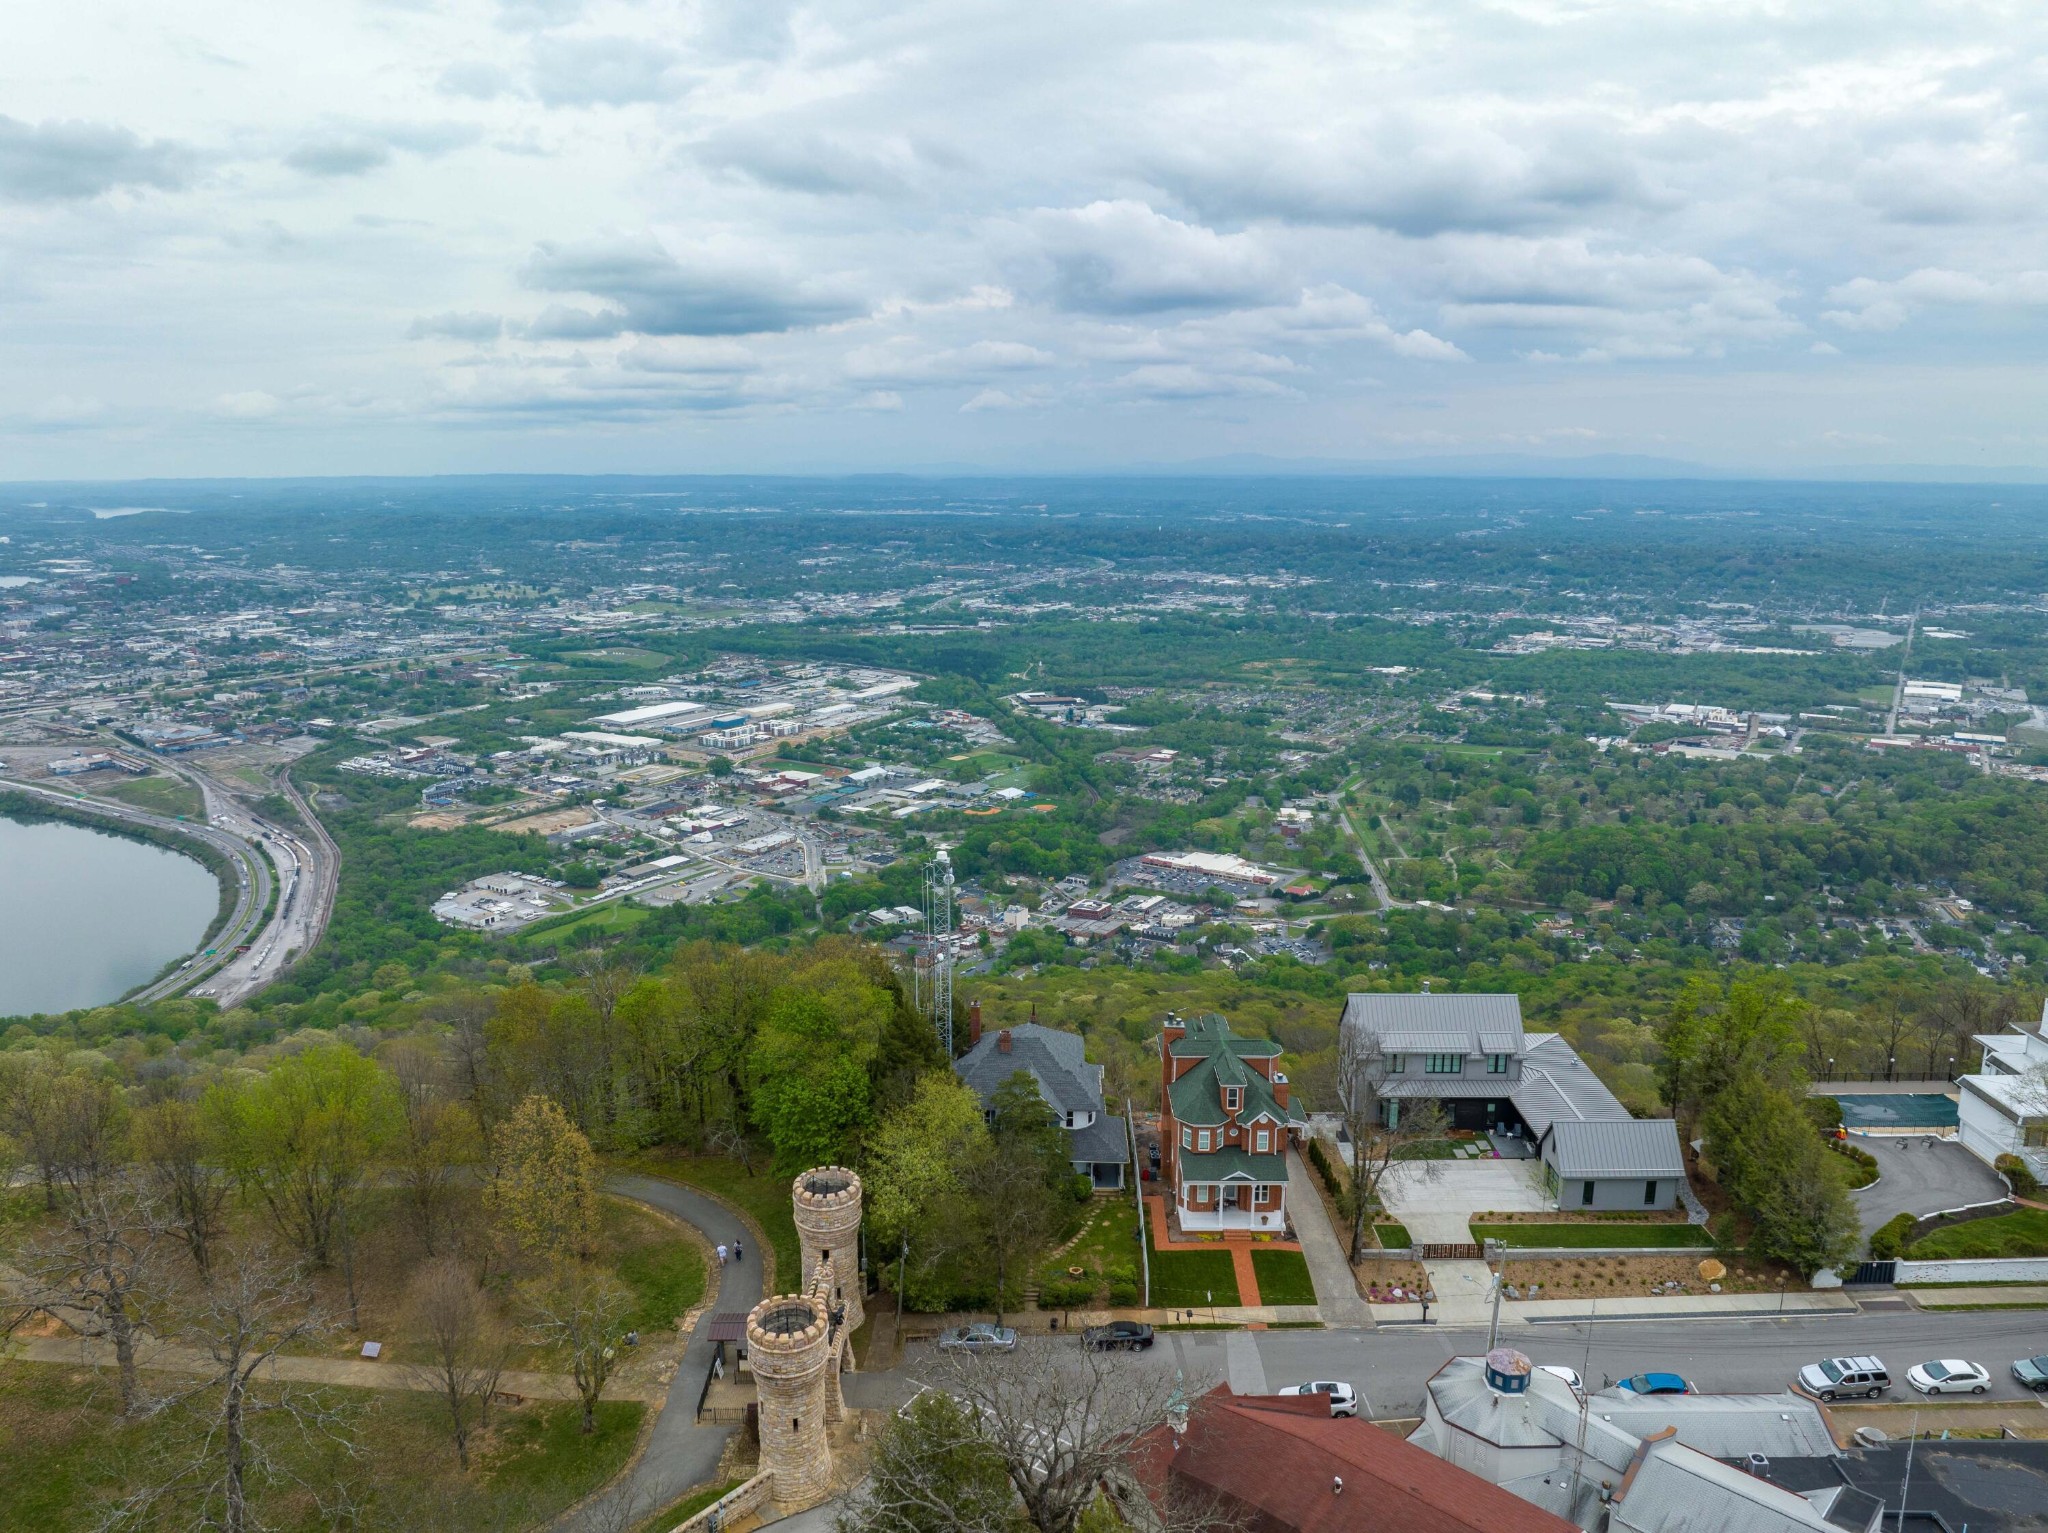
(737, 1253)
(721, 1253)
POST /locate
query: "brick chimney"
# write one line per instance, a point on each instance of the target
(1003, 1041)
(973, 1023)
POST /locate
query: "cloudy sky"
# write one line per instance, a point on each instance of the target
(361, 236)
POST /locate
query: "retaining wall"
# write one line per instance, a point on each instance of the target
(734, 1504)
(2011, 1269)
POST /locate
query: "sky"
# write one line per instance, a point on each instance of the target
(426, 236)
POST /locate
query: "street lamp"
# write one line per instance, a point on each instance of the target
(1890, 1065)
(1831, 1067)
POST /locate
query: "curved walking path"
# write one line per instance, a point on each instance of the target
(680, 1453)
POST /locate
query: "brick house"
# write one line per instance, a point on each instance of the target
(1224, 1125)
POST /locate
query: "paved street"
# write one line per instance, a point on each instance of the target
(1390, 1365)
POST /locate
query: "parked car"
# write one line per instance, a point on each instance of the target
(1569, 1375)
(1949, 1376)
(1834, 1377)
(980, 1337)
(1343, 1398)
(1657, 1384)
(1130, 1335)
(2032, 1372)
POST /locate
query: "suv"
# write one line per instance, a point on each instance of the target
(1833, 1377)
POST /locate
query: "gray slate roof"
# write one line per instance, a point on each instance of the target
(1439, 1024)
(1057, 1061)
(1102, 1142)
(1632, 1147)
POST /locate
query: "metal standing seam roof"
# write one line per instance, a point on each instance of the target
(1484, 1024)
(1633, 1147)
(1782, 1426)
(1557, 1085)
(1676, 1489)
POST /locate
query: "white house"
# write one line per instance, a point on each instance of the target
(2003, 1109)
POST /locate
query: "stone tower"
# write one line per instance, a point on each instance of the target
(827, 1210)
(789, 1346)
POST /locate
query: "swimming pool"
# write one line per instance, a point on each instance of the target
(1917, 1109)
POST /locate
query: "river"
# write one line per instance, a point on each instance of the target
(85, 916)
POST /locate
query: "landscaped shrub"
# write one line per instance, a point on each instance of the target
(1066, 1293)
(1866, 1163)
(1889, 1239)
(1123, 1287)
(2023, 1180)
(1826, 1113)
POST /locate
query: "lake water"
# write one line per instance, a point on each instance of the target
(86, 917)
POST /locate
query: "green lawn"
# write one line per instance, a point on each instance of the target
(1593, 1236)
(1393, 1237)
(605, 921)
(1108, 1239)
(1427, 1149)
(68, 1454)
(1192, 1279)
(1283, 1277)
(2024, 1232)
(765, 1194)
(664, 1270)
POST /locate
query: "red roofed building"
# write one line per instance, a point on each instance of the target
(1293, 1468)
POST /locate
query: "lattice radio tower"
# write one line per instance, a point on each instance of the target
(934, 970)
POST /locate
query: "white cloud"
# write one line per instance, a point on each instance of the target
(778, 219)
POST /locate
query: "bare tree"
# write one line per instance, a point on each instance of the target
(1061, 1424)
(96, 1272)
(177, 1155)
(466, 1349)
(210, 1463)
(467, 1016)
(437, 1142)
(1364, 1103)
(582, 1313)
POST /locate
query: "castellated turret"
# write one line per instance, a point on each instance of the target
(790, 1346)
(827, 1209)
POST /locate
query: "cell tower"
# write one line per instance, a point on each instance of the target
(935, 964)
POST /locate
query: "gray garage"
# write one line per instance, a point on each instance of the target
(1630, 1163)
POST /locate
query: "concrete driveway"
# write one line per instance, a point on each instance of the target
(1916, 1176)
(1436, 1199)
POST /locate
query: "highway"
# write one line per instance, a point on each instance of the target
(252, 874)
(266, 855)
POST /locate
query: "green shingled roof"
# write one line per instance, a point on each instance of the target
(1223, 1164)
(1198, 1094)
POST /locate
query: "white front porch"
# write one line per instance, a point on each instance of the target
(1232, 1205)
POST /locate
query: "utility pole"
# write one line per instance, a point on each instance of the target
(938, 945)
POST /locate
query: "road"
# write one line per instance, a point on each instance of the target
(1390, 1366)
(1380, 891)
(252, 873)
(265, 855)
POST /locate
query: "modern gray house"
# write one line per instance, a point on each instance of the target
(1071, 1086)
(1529, 1092)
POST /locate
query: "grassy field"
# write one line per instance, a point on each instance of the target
(65, 1454)
(1283, 1277)
(1392, 1236)
(2023, 1232)
(765, 1195)
(1583, 1237)
(605, 921)
(1109, 1239)
(159, 794)
(1192, 1279)
(665, 1271)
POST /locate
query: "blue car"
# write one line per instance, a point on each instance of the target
(1657, 1384)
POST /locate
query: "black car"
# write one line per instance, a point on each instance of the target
(1131, 1335)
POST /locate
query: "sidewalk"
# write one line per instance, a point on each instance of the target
(349, 1372)
(1337, 1294)
(1644, 1307)
(1989, 1296)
